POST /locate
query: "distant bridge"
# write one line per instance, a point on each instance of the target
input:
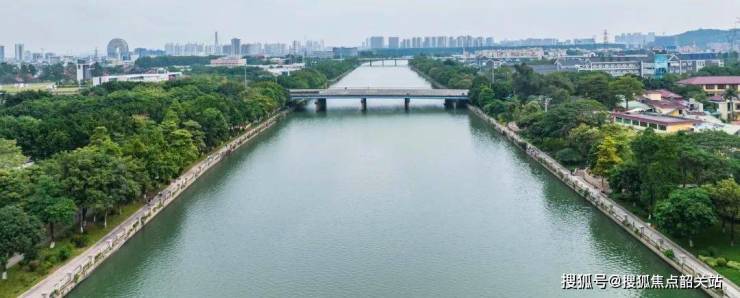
(451, 97)
(384, 62)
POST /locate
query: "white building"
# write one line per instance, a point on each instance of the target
(144, 77)
(228, 62)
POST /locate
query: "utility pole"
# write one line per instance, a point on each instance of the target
(547, 100)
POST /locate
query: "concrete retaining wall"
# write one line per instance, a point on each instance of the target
(683, 261)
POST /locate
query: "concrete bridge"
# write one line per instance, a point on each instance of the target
(384, 62)
(451, 97)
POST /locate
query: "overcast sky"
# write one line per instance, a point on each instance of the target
(75, 26)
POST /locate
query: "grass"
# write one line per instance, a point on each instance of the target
(21, 279)
(714, 241)
(12, 88)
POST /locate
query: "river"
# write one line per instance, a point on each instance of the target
(385, 203)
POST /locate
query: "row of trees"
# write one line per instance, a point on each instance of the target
(120, 142)
(318, 75)
(522, 83)
(115, 143)
(685, 182)
(58, 73)
(29, 73)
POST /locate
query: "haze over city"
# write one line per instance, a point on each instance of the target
(80, 26)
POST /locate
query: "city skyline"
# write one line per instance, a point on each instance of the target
(339, 23)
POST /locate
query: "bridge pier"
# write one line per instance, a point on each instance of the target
(320, 105)
(406, 103)
(461, 104)
(449, 103)
(364, 104)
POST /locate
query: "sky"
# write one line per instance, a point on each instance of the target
(79, 26)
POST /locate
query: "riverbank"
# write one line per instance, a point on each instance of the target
(66, 277)
(670, 252)
(435, 84)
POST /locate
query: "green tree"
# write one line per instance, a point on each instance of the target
(685, 213)
(526, 82)
(657, 159)
(19, 233)
(214, 125)
(625, 181)
(606, 157)
(10, 155)
(628, 87)
(583, 138)
(725, 195)
(47, 206)
(595, 85)
(14, 186)
(563, 117)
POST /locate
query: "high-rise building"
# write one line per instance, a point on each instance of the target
(635, 40)
(19, 52)
(84, 71)
(393, 42)
(253, 49)
(216, 46)
(490, 41)
(416, 42)
(377, 42)
(342, 52)
(236, 46)
(441, 42)
(276, 49)
(2, 54)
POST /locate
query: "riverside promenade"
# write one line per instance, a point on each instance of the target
(69, 275)
(683, 261)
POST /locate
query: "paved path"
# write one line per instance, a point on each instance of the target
(75, 270)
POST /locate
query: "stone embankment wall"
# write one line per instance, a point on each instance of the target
(64, 279)
(683, 261)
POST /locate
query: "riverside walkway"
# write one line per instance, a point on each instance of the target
(66, 277)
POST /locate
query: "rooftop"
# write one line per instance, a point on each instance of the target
(665, 94)
(711, 80)
(655, 118)
(662, 104)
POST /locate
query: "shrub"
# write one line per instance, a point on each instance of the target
(713, 251)
(45, 266)
(53, 259)
(64, 252)
(721, 262)
(79, 240)
(733, 265)
(33, 265)
(568, 156)
(669, 253)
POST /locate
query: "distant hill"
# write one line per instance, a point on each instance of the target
(700, 37)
